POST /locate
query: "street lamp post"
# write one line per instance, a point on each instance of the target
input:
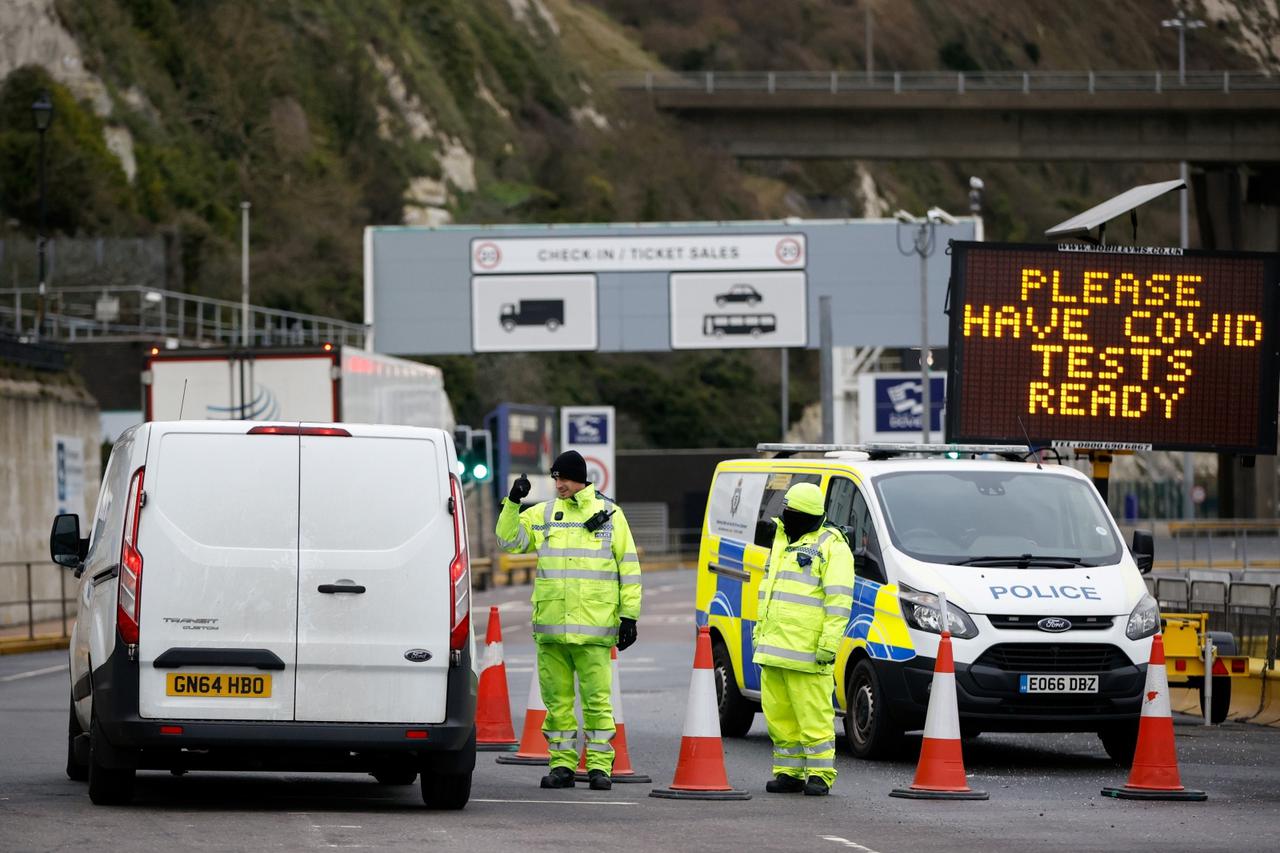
(924, 241)
(1182, 23)
(42, 112)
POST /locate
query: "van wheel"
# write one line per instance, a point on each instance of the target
(867, 726)
(446, 790)
(77, 770)
(1120, 740)
(108, 786)
(395, 776)
(737, 713)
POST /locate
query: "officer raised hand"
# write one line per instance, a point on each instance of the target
(519, 489)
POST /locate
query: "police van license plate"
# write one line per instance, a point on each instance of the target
(1057, 684)
(226, 685)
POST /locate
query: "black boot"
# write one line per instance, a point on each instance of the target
(599, 780)
(559, 777)
(784, 784)
(815, 787)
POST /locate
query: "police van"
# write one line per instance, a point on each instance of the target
(1050, 620)
(273, 596)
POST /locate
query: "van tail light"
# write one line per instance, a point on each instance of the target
(299, 430)
(459, 573)
(129, 588)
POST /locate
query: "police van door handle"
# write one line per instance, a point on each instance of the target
(729, 572)
(343, 585)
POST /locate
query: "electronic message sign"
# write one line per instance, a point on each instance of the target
(1113, 347)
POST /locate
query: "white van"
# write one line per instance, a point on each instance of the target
(273, 597)
(1050, 619)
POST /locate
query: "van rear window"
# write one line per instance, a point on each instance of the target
(368, 494)
(223, 489)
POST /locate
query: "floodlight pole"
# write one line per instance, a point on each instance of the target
(1182, 23)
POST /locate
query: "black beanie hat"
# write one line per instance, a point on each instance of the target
(570, 466)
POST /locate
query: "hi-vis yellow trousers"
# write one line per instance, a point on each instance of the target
(801, 719)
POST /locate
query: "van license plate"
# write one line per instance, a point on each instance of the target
(228, 685)
(1057, 684)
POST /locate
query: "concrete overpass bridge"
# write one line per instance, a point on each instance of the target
(1225, 123)
(1148, 116)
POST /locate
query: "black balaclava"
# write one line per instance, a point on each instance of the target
(797, 524)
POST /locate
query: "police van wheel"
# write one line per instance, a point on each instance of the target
(867, 725)
(737, 713)
(1120, 740)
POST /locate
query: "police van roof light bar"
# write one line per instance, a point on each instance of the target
(1012, 452)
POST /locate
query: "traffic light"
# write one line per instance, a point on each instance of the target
(475, 454)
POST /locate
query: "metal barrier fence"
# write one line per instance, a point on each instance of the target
(1248, 610)
(76, 314)
(958, 82)
(1225, 544)
(33, 599)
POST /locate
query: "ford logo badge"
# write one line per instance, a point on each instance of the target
(417, 655)
(1054, 624)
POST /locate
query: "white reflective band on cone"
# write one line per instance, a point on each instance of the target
(535, 694)
(1157, 683)
(943, 720)
(492, 656)
(701, 718)
(615, 695)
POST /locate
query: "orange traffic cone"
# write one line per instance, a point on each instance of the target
(1154, 775)
(493, 704)
(940, 770)
(533, 746)
(622, 769)
(700, 773)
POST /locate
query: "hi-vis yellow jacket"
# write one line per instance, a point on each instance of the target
(586, 581)
(805, 601)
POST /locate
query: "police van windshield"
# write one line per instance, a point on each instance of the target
(1032, 519)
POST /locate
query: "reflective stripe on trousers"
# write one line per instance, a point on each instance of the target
(801, 721)
(558, 663)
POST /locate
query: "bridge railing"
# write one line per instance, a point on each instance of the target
(960, 82)
(78, 314)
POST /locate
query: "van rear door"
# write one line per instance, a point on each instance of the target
(219, 542)
(375, 544)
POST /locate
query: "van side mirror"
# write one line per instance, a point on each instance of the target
(1144, 550)
(765, 531)
(66, 548)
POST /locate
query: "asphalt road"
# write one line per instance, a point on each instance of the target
(1044, 788)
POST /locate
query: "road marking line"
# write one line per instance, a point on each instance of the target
(559, 802)
(523, 669)
(33, 673)
(853, 845)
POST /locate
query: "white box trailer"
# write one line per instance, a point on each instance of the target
(316, 384)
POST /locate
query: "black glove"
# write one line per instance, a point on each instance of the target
(519, 489)
(626, 634)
